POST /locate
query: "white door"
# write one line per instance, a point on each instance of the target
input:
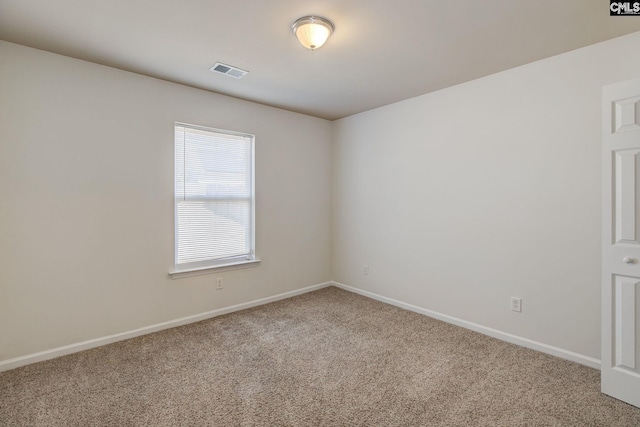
(621, 242)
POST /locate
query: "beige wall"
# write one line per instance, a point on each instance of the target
(459, 199)
(86, 221)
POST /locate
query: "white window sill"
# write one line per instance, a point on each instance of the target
(178, 274)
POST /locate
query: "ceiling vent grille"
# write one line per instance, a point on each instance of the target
(228, 70)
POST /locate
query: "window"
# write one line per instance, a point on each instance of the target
(214, 198)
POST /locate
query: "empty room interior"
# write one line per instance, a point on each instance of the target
(319, 213)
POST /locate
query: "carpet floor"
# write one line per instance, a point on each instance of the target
(326, 358)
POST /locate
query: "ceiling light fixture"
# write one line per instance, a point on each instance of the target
(312, 31)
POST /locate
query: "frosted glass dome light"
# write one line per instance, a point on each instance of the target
(312, 31)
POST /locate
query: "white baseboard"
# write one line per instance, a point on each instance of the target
(97, 342)
(513, 339)
(9, 364)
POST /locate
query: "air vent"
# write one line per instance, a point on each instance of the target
(229, 70)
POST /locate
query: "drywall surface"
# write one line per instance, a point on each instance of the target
(86, 220)
(459, 199)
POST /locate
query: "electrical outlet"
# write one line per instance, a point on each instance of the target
(516, 304)
(365, 271)
(219, 283)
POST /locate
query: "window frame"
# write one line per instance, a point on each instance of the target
(228, 263)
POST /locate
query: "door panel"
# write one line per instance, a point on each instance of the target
(626, 217)
(627, 114)
(625, 293)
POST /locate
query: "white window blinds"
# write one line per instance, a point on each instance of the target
(213, 196)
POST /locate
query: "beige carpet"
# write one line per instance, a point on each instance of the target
(328, 358)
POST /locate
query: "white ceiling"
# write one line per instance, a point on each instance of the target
(382, 51)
